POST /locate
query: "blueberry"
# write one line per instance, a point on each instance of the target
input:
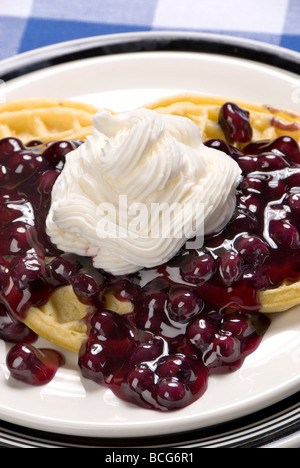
(175, 366)
(33, 366)
(231, 267)
(94, 363)
(147, 350)
(235, 123)
(285, 233)
(14, 331)
(252, 249)
(198, 269)
(201, 332)
(171, 393)
(183, 304)
(141, 378)
(9, 146)
(56, 153)
(88, 284)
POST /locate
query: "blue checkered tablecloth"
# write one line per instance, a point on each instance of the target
(29, 24)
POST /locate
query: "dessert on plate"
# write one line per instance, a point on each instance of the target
(154, 243)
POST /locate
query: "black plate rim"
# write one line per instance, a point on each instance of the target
(96, 46)
(268, 428)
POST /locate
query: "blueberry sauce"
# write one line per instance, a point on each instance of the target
(33, 366)
(194, 316)
(235, 123)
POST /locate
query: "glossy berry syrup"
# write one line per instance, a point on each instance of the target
(194, 316)
(33, 366)
(27, 174)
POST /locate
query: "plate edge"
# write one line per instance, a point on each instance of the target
(149, 41)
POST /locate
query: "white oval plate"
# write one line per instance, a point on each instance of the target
(77, 407)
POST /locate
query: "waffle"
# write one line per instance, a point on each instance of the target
(46, 120)
(60, 320)
(267, 122)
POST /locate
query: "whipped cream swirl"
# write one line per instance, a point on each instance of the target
(107, 202)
